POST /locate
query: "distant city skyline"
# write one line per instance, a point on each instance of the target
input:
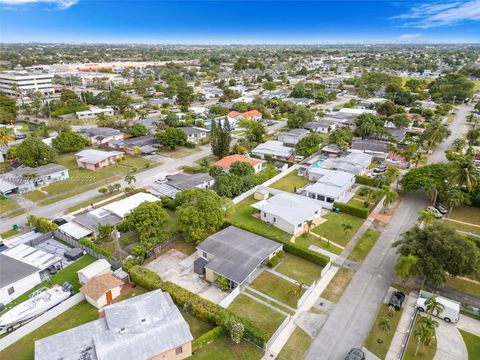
(239, 22)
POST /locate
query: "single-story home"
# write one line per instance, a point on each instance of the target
(227, 161)
(144, 327)
(354, 163)
(234, 254)
(253, 115)
(100, 135)
(147, 144)
(101, 290)
(3, 153)
(175, 183)
(25, 179)
(322, 127)
(275, 149)
(194, 134)
(289, 212)
(92, 159)
(292, 137)
(377, 148)
(94, 111)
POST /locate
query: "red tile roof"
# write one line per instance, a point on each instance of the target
(251, 114)
(227, 161)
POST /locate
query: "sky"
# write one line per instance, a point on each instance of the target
(239, 22)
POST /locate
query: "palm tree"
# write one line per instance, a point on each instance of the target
(5, 136)
(130, 179)
(310, 224)
(417, 158)
(390, 196)
(456, 198)
(427, 217)
(465, 174)
(435, 133)
(384, 326)
(429, 322)
(347, 227)
(424, 336)
(458, 145)
(433, 306)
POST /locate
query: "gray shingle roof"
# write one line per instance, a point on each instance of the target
(14, 270)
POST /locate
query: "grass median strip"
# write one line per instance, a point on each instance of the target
(364, 245)
(334, 290)
(297, 346)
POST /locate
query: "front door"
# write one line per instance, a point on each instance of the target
(109, 296)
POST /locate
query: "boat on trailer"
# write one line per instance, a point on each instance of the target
(38, 303)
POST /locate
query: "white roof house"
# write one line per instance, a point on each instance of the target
(35, 257)
(99, 267)
(124, 206)
(93, 156)
(356, 111)
(288, 211)
(354, 163)
(273, 148)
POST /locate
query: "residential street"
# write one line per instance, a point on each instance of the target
(350, 321)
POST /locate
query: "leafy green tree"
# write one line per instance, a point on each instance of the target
(341, 137)
(228, 185)
(199, 213)
(8, 109)
(456, 198)
(433, 306)
(69, 141)
(241, 168)
(172, 137)
(6, 136)
(370, 125)
(309, 145)
(451, 87)
(33, 152)
(119, 100)
(138, 130)
(147, 220)
(105, 231)
(465, 174)
(299, 118)
(220, 138)
(405, 267)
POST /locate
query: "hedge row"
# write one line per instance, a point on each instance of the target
(199, 307)
(99, 250)
(208, 337)
(364, 180)
(276, 259)
(352, 210)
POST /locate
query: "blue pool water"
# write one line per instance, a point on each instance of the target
(318, 161)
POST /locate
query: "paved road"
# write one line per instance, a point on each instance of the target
(143, 178)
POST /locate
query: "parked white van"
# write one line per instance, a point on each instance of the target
(450, 312)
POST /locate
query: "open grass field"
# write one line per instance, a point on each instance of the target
(364, 245)
(278, 288)
(334, 290)
(424, 353)
(296, 347)
(290, 183)
(75, 316)
(371, 343)
(299, 269)
(259, 314)
(473, 344)
(333, 229)
(224, 348)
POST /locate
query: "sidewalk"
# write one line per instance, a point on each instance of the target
(396, 345)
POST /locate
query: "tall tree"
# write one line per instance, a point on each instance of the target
(33, 152)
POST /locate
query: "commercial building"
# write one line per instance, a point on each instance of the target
(15, 83)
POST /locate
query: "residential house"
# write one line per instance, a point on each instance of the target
(147, 144)
(275, 149)
(100, 135)
(3, 153)
(227, 161)
(94, 112)
(353, 163)
(377, 148)
(253, 115)
(329, 186)
(144, 327)
(25, 179)
(292, 137)
(234, 254)
(92, 159)
(175, 183)
(322, 127)
(194, 134)
(289, 212)
(101, 290)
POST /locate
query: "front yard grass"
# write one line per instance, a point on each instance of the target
(364, 245)
(465, 286)
(425, 352)
(333, 230)
(282, 290)
(334, 290)
(7, 205)
(259, 314)
(371, 343)
(290, 182)
(178, 152)
(467, 214)
(297, 346)
(299, 269)
(308, 239)
(95, 200)
(77, 315)
(224, 348)
(472, 342)
(9, 233)
(462, 227)
(35, 195)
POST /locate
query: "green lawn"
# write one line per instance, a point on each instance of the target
(68, 274)
(473, 344)
(299, 269)
(278, 288)
(268, 301)
(224, 348)
(296, 347)
(197, 327)
(95, 200)
(75, 316)
(179, 152)
(364, 245)
(260, 315)
(425, 352)
(371, 343)
(7, 205)
(308, 239)
(35, 195)
(9, 233)
(290, 182)
(131, 293)
(333, 228)
(128, 238)
(334, 290)
(241, 215)
(462, 227)
(467, 214)
(464, 286)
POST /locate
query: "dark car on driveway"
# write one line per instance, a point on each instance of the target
(380, 169)
(442, 208)
(396, 300)
(355, 354)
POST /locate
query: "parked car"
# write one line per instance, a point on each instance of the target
(20, 136)
(355, 354)
(380, 169)
(436, 213)
(52, 269)
(270, 122)
(451, 309)
(440, 207)
(396, 300)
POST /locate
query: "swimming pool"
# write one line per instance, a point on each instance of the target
(318, 161)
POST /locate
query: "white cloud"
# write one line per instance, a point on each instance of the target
(436, 14)
(62, 4)
(408, 36)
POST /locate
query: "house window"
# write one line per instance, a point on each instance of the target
(321, 197)
(178, 350)
(264, 215)
(11, 290)
(205, 255)
(330, 200)
(312, 196)
(274, 219)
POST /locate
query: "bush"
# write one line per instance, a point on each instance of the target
(199, 307)
(99, 250)
(276, 259)
(190, 145)
(194, 169)
(352, 210)
(208, 337)
(223, 282)
(306, 254)
(364, 180)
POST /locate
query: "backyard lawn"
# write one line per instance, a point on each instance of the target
(334, 290)
(290, 182)
(296, 347)
(333, 228)
(75, 316)
(282, 290)
(259, 314)
(473, 344)
(299, 269)
(197, 327)
(371, 343)
(425, 352)
(364, 245)
(224, 348)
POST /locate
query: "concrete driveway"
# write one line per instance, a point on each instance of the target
(450, 344)
(177, 267)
